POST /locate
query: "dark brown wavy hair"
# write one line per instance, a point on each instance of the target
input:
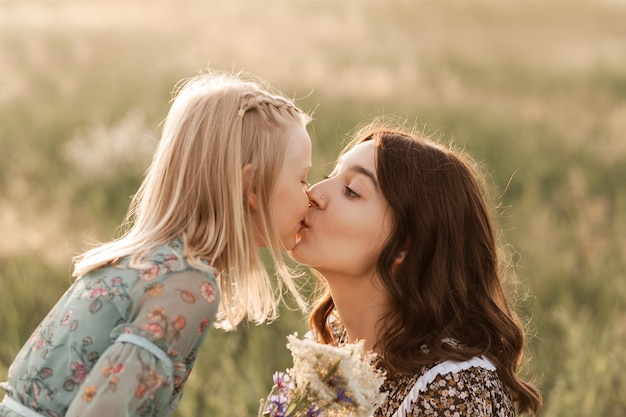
(449, 284)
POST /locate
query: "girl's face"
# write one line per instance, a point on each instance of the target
(289, 200)
(349, 219)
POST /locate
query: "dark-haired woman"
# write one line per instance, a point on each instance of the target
(403, 236)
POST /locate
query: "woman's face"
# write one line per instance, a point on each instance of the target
(289, 200)
(349, 219)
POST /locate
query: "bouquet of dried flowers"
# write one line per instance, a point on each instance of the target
(325, 381)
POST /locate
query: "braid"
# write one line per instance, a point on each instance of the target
(265, 104)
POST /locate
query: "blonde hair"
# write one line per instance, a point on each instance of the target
(194, 189)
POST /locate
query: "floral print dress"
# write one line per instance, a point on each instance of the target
(472, 392)
(475, 391)
(120, 342)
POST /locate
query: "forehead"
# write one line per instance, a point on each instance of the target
(363, 154)
(298, 145)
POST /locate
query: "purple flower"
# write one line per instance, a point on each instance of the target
(343, 395)
(313, 411)
(282, 381)
(324, 379)
(278, 405)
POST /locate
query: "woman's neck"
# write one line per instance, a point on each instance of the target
(360, 305)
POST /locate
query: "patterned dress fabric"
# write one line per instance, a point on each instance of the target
(472, 392)
(119, 342)
(476, 392)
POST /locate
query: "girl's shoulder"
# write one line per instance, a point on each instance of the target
(164, 260)
(166, 266)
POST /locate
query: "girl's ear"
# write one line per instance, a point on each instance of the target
(249, 193)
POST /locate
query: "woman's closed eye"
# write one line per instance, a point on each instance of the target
(349, 192)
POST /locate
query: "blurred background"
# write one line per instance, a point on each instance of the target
(535, 90)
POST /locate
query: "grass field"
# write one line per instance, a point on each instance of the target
(536, 90)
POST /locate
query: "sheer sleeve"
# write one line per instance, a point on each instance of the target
(143, 371)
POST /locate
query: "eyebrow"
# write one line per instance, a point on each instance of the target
(364, 171)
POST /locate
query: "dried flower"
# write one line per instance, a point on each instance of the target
(325, 381)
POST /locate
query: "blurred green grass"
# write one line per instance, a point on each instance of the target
(535, 90)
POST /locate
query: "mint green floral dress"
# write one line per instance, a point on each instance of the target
(120, 342)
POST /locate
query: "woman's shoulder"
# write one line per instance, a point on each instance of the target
(476, 391)
(471, 388)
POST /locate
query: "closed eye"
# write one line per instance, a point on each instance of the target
(350, 193)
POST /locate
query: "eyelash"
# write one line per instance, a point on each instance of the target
(349, 192)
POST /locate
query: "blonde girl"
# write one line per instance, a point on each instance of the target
(228, 177)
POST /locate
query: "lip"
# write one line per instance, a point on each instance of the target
(299, 233)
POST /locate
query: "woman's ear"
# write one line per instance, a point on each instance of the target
(400, 257)
(247, 177)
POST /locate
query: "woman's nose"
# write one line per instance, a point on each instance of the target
(316, 198)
